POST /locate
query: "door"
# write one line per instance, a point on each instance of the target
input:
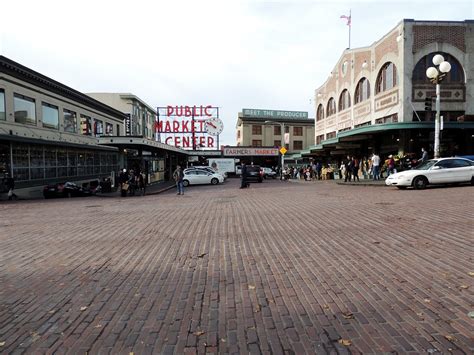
(462, 170)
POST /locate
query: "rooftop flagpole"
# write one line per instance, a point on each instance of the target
(348, 18)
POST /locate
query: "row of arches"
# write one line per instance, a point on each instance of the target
(388, 79)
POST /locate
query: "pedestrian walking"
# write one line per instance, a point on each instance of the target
(424, 156)
(9, 183)
(355, 169)
(178, 177)
(243, 177)
(376, 166)
(348, 169)
(123, 181)
(390, 165)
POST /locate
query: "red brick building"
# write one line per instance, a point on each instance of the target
(374, 98)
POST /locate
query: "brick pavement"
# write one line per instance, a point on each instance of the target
(277, 268)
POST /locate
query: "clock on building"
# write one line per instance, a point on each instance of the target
(214, 126)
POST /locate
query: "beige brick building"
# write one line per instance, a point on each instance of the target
(374, 98)
(263, 128)
(142, 116)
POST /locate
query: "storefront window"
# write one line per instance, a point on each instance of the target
(50, 116)
(70, 121)
(25, 110)
(4, 158)
(36, 162)
(2, 106)
(50, 162)
(21, 162)
(86, 125)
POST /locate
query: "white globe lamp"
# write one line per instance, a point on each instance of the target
(445, 67)
(438, 59)
(431, 72)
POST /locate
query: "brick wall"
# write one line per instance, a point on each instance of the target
(387, 45)
(424, 35)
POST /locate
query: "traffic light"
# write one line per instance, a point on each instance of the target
(428, 103)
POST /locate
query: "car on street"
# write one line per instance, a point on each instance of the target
(269, 173)
(200, 177)
(435, 171)
(254, 173)
(208, 169)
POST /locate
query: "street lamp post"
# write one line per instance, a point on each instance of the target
(436, 74)
(282, 125)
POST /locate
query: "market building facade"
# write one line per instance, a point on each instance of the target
(263, 128)
(52, 133)
(378, 98)
(49, 132)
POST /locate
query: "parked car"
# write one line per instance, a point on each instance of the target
(67, 189)
(200, 176)
(254, 173)
(208, 169)
(435, 171)
(269, 173)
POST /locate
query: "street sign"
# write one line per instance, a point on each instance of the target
(283, 150)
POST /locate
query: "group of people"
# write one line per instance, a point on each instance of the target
(131, 182)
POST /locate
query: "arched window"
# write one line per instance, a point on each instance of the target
(455, 75)
(362, 92)
(320, 113)
(344, 100)
(331, 110)
(387, 78)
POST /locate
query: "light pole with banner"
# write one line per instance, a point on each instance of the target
(436, 74)
(282, 148)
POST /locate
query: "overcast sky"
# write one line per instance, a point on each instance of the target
(228, 53)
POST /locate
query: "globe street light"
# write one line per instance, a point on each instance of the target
(282, 125)
(436, 74)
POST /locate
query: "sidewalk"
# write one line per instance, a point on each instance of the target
(362, 182)
(152, 189)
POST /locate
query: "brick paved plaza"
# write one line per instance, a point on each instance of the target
(277, 268)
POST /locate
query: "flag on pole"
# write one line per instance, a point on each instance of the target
(348, 18)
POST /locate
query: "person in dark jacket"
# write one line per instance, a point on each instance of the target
(243, 177)
(9, 183)
(123, 181)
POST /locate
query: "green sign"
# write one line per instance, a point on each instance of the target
(252, 112)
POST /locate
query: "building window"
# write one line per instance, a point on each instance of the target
(98, 128)
(70, 121)
(109, 129)
(320, 113)
(331, 135)
(277, 143)
(238, 133)
(387, 78)
(256, 143)
(362, 92)
(297, 131)
(319, 139)
(277, 130)
(25, 109)
(455, 75)
(297, 145)
(257, 130)
(344, 100)
(50, 116)
(86, 125)
(3, 115)
(331, 110)
(21, 162)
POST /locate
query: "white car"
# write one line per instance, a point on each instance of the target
(200, 176)
(435, 171)
(209, 169)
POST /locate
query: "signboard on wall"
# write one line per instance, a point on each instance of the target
(275, 114)
(241, 151)
(128, 124)
(189, 127)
